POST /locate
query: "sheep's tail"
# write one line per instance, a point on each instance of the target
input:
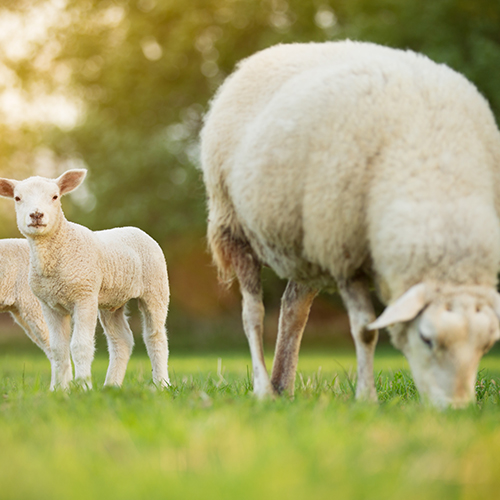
(223, 244)
(225, 236)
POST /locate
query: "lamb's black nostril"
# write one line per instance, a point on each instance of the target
(36, 216)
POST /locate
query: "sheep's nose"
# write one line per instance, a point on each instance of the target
(36, 216)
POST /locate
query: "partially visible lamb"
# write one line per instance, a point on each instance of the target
(16, 296)
(342, 164)
(78, 274)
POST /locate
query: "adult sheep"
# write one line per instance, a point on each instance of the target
(16, 296)
(78, 274)
(344, 163)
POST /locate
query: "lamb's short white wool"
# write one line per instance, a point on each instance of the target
(78, 274)
(16, 296)
(344, 163)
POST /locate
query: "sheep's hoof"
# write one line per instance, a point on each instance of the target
(367, 396)
(264, 392)
(266, 396)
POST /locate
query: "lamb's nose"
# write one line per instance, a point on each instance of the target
(36, 216)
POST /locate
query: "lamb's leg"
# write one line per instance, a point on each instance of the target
(120, 344)
(34, 331)
(247, 270)
(295, 306)
(82, 341)
(38, 332)
(356, 297)
(154, 316)
(59, 332)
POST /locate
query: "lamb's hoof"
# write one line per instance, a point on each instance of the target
(111, 387)
(162, 384)
(82, 384)
(60, 386)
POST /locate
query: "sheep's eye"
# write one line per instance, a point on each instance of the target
(427, 341)
(55, 197)
(17, 198)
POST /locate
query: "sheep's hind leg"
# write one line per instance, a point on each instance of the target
(120, 344)
(356, 297)
(154, 314)
(295, 306)
(247, 269)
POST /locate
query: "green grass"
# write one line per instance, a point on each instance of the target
(207, 437)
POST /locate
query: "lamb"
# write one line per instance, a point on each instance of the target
(16, 296)
(346, 164)
(78, 274)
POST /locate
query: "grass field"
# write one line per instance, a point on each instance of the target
(206, 437)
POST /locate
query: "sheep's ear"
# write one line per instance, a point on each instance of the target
(70, 180)
(7, 188)
(405, 308)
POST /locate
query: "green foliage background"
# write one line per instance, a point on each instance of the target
(144, 71)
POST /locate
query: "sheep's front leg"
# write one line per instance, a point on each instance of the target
(82, 341)
(295, 306)
(59, 325)
(356, 297)
(247, 270)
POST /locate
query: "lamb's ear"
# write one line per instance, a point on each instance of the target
(7, 187)
(405, 308)
(70, 180)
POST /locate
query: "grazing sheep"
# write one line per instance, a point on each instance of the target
(16, 296)
(342, 164)
(78, 274)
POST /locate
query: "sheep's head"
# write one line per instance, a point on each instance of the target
(38, 205)
(443, 332)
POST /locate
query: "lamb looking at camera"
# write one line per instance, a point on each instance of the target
(345, 163)
(16, 296)
(78, 274)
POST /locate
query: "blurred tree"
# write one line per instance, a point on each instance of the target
(140, 73)
(143, 72)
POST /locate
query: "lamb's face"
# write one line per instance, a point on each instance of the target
(38, 206)
(446, 340)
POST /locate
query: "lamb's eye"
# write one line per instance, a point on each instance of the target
(17, 198)
(426, 340)
(55, 197)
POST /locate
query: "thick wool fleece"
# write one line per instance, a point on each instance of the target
(115, 266)
(335, 157)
